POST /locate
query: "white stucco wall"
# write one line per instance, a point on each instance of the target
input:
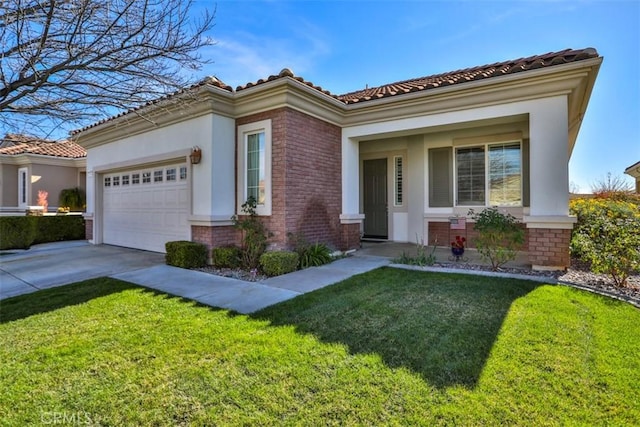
(212, 180)
(547, 131)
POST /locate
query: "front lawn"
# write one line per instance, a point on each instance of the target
(387, 347)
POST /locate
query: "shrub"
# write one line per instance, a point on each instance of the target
(500, 236)
(607, 235)
(58, 228)
(226, 257)
(310, 255)
(276, 263)
(421, 258)
(254, 234)
(18, 232)
(186, 254)
(72, 198)
(315, 255)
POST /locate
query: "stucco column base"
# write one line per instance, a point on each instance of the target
(549, 239)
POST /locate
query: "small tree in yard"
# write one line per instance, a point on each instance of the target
(607, 236)
(499, 236)
(254, 234)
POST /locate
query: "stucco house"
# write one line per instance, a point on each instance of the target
(634, 172)
(394, 162)
(29, 164)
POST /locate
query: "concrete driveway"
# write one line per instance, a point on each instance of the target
(54, 264)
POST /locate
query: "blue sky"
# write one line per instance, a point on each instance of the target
(345, 45)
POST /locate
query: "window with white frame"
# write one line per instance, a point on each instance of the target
(171, 174)
(254, 171)
(23, 187)
(183, 173)
(157, 176)
(146, 177)
(489, 175)
(135, 178)
(398, 178)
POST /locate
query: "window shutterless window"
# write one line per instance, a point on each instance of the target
(183, 172)
(22, 186)
(135, 178)
(157, 176)
(255, 183)
(398, 178)
(125, 179)
(254, 165)
(146, 177)
(171, 174)
(489, 175)
(116, 181)
(107, 181)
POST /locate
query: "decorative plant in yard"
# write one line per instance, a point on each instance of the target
(254, 234)
(73, 199)
(42, 200)
(309, 255)
(457, 247)
(499, 238)
(421, 258)
(607, 236)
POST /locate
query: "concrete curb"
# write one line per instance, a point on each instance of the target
(540, 279)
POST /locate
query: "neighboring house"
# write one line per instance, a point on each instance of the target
(634, 171)
(394, 162)
(29, 165)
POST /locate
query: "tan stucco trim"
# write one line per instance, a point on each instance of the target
(574, 80)
(30, 159)
(143, 162)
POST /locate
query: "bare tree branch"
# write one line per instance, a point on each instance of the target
(69, 62)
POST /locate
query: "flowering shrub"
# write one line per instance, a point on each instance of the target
(607, 236)
(500, 236)
(458, 243)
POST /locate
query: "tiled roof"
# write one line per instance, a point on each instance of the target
(403, 87)
(13, 145)
(470, 74)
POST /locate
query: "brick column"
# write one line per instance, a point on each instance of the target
(549, 248)
(88, 229)
(350, 236)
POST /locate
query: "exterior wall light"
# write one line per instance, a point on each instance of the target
(196, 155)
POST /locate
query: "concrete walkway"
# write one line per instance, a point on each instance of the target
(57, 264)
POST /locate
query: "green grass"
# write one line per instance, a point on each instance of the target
(386, 347)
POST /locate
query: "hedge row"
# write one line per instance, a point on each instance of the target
(20, 232)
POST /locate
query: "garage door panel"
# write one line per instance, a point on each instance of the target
(146, 215)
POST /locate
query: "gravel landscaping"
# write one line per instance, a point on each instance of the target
(578, 275)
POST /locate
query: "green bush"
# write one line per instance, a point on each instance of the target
(186, 254)
(607, 235)
(315, 255)
(310, 255)
(72, 198)
(58, 228)
(276, 263)
(20, 232)
(500, 236)
(226, 257)
(254, 234)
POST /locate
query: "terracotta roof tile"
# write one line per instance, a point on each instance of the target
(470, 74)
(13, 145)
(403, 87)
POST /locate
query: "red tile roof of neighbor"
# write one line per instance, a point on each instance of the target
(13, 145)
(403, 87)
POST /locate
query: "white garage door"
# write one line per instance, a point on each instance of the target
(145, 208)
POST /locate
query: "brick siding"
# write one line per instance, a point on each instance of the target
(215, 236)
(88, 229)
(306, 183)
(445, 236)
(549, 247)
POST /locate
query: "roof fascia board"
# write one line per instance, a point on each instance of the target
(288, 92)
(207, 100)
(31, 159)
(525, 86)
